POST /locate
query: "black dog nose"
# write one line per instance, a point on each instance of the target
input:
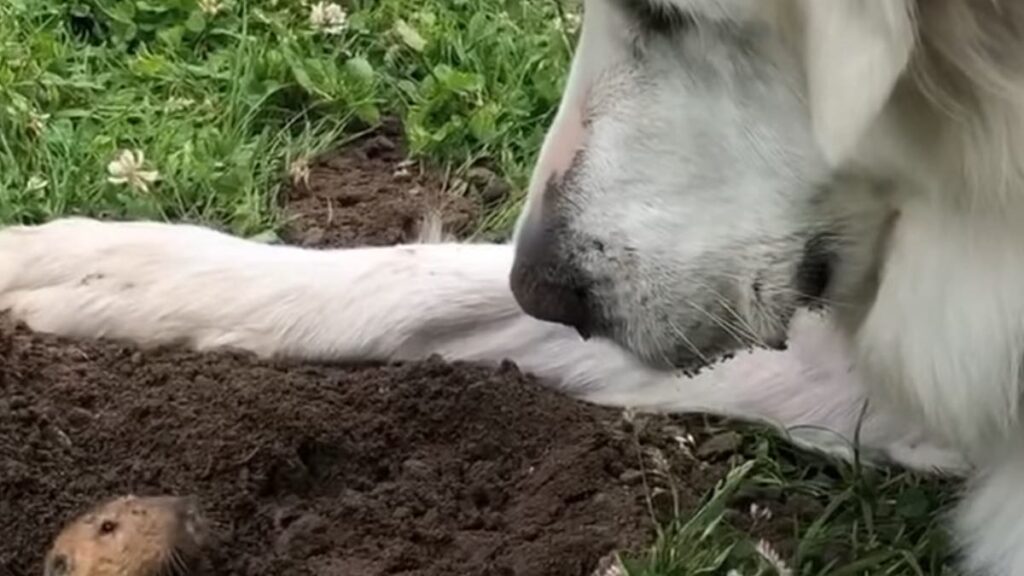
(547, 287)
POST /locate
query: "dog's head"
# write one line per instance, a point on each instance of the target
(688, 200)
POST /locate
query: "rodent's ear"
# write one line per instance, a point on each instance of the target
(855, 53)
(57, 565)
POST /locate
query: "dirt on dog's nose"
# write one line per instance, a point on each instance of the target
(131, 536)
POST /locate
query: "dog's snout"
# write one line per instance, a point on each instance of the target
(547, 286)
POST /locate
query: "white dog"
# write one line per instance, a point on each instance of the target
(716, 166)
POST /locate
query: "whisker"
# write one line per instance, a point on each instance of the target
(686, 340)
(741, 326)
(742, 322)
(731, 330)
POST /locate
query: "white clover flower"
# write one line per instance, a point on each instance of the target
(764, 548)
(568, 22)
(128, 168)
(211, 7)
(37, 122)
(734, 572)
(36, 183)
(299, 171)
(328, 17)
(177, 104)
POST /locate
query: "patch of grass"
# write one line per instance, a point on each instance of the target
(837, 519)
(223, 95)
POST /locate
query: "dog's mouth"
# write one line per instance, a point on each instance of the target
(691, 367)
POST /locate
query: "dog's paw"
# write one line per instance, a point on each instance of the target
(85, 278)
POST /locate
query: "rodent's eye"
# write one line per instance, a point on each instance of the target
(108, 527)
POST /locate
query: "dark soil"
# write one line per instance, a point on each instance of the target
(419, 469)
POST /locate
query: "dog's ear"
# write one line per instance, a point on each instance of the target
(856, 51)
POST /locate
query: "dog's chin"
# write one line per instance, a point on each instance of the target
(682, 359)
(690, 358)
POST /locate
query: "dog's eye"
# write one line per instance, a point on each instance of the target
(657, 16)
(107, 527)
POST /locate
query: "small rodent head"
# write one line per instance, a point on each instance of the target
(131, 536)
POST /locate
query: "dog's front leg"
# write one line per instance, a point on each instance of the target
(152, 283)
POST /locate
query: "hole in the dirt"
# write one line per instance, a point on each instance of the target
(480, 497)
(410, 228)
(613, 468)
(317, 457)
(348, 200)
(328, 460)
(382, 473)
(284, 518)
(287, 476)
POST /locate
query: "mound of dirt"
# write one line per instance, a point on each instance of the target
(370, 196)
(422, 469)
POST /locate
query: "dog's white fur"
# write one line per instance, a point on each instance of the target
(914, 118)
